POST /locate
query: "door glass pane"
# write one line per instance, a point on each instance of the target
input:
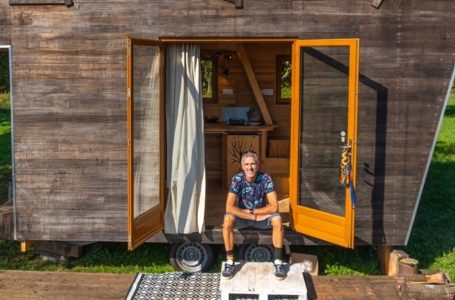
(324, 100)
(146, 127)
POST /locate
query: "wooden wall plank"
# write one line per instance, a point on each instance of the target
(70, 99)
(5, 29)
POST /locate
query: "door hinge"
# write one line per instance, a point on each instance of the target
(129, 143)
(128, 92)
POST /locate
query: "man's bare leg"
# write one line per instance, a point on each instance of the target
(277, 232)
(277, 240)
(228, 236)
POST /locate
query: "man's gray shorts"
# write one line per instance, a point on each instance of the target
(244, 223)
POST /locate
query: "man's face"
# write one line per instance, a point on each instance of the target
(250, 167)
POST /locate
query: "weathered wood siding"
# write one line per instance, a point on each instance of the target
(4, 23)
(70, 100)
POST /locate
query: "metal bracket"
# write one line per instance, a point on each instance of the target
(377, 3)
(238, 3)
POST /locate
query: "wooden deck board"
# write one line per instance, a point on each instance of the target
(63, 285)
(33, 285)
(354, 287)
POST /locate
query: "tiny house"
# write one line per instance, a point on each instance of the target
(129, 118)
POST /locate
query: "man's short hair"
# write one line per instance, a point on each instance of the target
(249, 154)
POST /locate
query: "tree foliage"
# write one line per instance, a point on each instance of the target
(4, 76)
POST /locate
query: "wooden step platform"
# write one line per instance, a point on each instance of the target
(32, 285)
(257, 280)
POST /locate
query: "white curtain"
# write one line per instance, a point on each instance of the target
(185, 207)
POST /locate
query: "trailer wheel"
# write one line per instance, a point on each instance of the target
(191, 256)
(256, 253)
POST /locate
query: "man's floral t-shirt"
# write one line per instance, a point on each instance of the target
(251, 195)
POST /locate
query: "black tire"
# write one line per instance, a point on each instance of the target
(256, 253)
(191, 257)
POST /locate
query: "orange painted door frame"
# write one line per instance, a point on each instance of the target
(334, 228)
(325, 226)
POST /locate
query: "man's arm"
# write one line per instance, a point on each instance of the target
(271, 207)
(233, 209)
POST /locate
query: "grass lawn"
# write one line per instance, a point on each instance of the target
(432, 240)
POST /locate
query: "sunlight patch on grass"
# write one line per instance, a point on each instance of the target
(98, 257)
(432, 240)
(446, 263)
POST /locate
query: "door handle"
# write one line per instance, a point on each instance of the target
(343, 136)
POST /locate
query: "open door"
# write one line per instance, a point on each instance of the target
(323, 125)
(146, 156)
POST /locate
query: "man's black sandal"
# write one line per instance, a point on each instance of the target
(228, 271)
(280, 271)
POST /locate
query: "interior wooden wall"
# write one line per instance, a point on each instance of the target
(263, 60)
(70, 100)
(264, 66)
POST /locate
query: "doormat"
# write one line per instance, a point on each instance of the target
(175, 286)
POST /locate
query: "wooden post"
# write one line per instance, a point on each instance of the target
(384, 256)
(394, 261)
(25, 246)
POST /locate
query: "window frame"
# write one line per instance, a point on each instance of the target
(212, 57)
(279, 64)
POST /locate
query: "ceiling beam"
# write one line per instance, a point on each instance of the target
(243, 57)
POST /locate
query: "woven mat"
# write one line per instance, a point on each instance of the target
(175, 286)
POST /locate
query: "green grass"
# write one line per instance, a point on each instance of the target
(337, 261)
(5, 144)
(432, 240)
(98, 257)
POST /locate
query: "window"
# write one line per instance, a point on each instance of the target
(283, 79)
(209, 77)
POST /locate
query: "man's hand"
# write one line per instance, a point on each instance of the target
(262, 217)
(233, 209)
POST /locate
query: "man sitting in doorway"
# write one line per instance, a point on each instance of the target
(252, 203)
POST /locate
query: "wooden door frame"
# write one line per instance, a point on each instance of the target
(144, 231)
(327, 223)
(151, 222)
